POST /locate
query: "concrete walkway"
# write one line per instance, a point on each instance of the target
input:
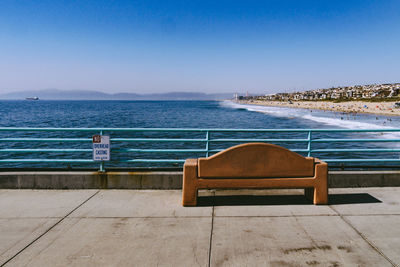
(151, 228)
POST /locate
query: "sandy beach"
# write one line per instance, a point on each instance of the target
(379, 108)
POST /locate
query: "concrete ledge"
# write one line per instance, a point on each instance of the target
(163, 180)
(339, 179)
(90, 180)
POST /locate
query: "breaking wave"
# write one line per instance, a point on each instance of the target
(327, 118)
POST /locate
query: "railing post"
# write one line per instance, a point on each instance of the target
(207, 143)
(102, 162)
(309, 144)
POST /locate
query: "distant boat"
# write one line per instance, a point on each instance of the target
(32, 98)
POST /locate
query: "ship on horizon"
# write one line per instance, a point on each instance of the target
(32, 98)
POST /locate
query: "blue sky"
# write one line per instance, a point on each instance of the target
(205, 46)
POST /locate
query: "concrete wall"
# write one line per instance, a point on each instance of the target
(363, 178)
(163, 180)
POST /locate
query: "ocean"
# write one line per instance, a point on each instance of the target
(183, 114)
(178, 114)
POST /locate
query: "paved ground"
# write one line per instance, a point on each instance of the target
(151, 228)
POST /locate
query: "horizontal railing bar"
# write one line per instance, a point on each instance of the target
(304, 130)
(361, 160)
(192, 140)
(294, 150)
(330, 140)
(161, 150)
(258, 140)
(182, 150)
(146, 140)
(48, 160)
(26, 150)
(45, 139)
(154, 160)
(86, 160)
(23, 150)
(102, 129)
(356, 150)
(193, 130)
(156, 140)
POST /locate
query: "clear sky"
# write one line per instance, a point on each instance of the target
(197, 45)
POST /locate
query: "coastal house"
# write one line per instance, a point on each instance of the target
(297, 96)
(393, 92)
(358, 93)
(336, 95)
(367, 94)
(349, 92)
(270, 97)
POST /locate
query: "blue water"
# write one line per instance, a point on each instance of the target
(174, 114)
(143, 114)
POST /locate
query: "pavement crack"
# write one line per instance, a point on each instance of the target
(50, 228)
(211, 233)
(370, 243)
(305, 231)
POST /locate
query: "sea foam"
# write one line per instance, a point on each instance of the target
(323, 118)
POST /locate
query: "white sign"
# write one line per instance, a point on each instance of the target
(101, 147)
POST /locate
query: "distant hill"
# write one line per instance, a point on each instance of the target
(54, 94)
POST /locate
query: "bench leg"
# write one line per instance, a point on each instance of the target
(189, 196)
(321, 185)
(321, 196)
(189, 186)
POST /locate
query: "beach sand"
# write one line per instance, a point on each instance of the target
(379, 108)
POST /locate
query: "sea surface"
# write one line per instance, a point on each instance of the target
(179, 114)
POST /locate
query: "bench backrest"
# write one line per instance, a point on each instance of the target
(255, 160)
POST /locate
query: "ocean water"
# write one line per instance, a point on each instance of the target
(179, 114)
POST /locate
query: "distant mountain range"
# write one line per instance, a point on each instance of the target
(54, 94)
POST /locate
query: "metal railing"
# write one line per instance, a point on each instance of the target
(171, 146)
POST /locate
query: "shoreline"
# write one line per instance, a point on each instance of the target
(354, 107)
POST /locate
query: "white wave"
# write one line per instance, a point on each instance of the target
(344, 123)
(326, 118)
(275, 111)
(355, 125)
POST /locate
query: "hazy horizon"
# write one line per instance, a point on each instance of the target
(147, 47)
(52, 94)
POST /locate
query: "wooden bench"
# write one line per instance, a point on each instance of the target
(255, 166)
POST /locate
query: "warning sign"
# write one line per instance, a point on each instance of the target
(101, 147)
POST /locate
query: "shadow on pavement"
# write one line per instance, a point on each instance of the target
(251, 200)
(355, 198)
